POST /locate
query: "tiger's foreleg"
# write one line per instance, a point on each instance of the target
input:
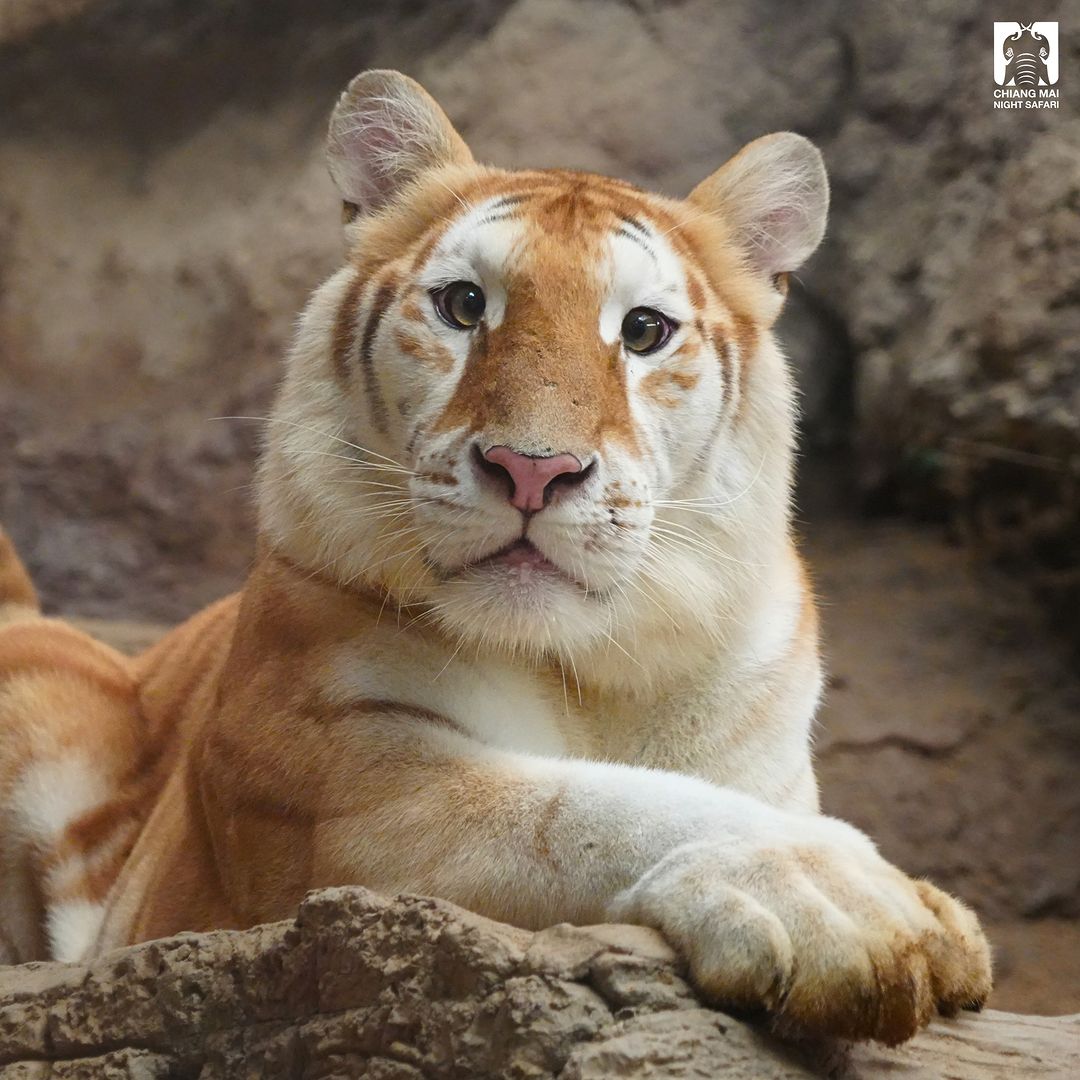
(796, 913)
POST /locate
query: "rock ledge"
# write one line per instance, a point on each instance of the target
(362, 985)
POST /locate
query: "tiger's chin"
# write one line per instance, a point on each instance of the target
(519, 601)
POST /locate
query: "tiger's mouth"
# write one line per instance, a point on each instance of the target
(523, 564)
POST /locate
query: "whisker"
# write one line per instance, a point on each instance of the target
(461, 202)
(692, 541)
(711, 500)
(451, 660)
(352, 461)
(317, 431)
(689, 220)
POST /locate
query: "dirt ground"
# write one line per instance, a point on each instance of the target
(951, 733)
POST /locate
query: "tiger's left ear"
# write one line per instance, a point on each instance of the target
(386, 130)
(774, 193)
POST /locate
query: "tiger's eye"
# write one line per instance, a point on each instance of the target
(461, 304)
(645, 330)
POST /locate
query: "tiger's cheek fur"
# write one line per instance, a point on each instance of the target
(374, 477)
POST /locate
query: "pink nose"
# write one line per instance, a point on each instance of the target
(531, 476)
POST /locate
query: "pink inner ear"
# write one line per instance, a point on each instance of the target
(775, 239)
(373, 139)
(379, 137)
(373, 147)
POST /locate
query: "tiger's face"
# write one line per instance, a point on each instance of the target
(543, 407)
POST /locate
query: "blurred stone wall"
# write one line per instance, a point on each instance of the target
(164, 210)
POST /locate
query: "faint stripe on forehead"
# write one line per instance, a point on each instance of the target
(504, 208)
(637, 238)
(507, 201)
(633, 223)
(494, 208)
(491, 210)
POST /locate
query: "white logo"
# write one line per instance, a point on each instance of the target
(1026, 54)
(1026, 65)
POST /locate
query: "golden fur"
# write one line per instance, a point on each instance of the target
(598, 710)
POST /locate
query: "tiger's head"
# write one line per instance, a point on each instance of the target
(545, 408)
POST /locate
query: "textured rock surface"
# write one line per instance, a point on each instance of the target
(362, 985)
(164, 210)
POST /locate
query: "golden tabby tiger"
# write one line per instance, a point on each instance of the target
(527, 629)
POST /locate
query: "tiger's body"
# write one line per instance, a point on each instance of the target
(526, 629)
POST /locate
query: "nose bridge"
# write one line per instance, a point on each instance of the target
(546, 387)
(543, 382)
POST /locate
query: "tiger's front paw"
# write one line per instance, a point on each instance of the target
(821, 932)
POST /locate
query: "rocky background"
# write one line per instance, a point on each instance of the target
(164, 210)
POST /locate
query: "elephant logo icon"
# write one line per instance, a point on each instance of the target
(1025, 54)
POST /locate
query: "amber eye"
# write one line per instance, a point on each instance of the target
(645, 330)
(461, 304)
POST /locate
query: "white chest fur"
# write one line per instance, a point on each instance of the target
(498, 703)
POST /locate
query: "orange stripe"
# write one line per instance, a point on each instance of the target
(387, 707)
(746, 337)
(384, 297)
(343, 339)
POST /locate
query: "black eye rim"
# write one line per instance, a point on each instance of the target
(441, 297)
(668, 327)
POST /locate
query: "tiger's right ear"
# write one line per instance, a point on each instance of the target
(774, 193)
(385, 131)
